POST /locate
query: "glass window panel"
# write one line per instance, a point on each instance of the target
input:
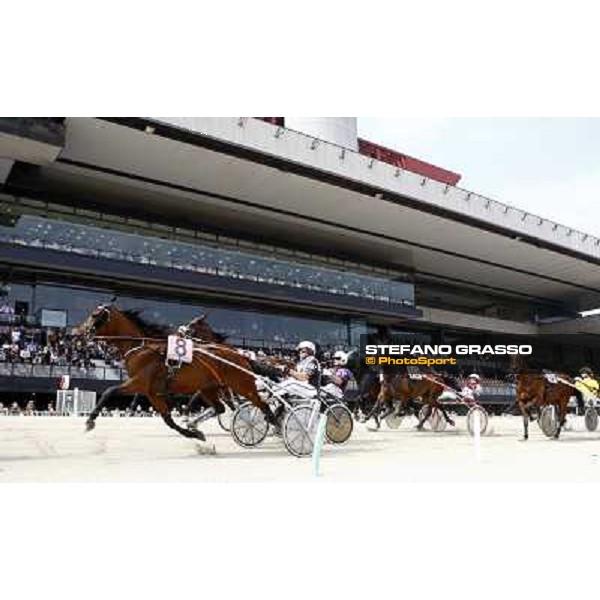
(117, 245)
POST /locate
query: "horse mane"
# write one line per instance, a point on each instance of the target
(149, 329)
(201, 328)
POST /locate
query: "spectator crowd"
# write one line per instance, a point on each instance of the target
(26, 345)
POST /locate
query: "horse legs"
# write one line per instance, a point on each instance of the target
(449, 420)
(196, 399)
(106, 396)
(385, 399)
(138, 399)
(426, 416)
(211, 399)
(562, 418)
(435, 404)
(189, 433)
(226, 398)
(162, 408)
(410, 405)
(252, 396)
(525, 413)
(375, 412)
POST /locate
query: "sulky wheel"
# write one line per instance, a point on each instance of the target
(483, 420)
(591, 419)
(299, 429)
(249, 426)
(339, 424)
(549, 421)
(437, 421)
(225, 419)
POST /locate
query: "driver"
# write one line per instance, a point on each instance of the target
(472, 387)
(308, 368)
(586, 385)
(340, 375)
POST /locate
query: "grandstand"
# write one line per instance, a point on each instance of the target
(279, 228)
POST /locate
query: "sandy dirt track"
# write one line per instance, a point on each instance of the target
(56, 449)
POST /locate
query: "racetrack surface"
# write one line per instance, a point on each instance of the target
(56, 449)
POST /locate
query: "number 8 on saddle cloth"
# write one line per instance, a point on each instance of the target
(179, 350)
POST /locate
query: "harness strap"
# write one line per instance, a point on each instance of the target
(236, 366)
(460, 396)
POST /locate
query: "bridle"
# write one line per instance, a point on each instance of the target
(100, 317)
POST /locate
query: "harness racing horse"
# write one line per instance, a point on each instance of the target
(534, 390)
(201, 332)
(368, 384)
(408, 389)
(143, 349)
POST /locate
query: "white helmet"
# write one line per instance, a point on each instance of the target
(307, 346)
(341, 356)
(474, 376)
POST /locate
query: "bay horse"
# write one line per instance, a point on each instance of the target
(201, 331)
(273, 368)
(408, 389)
(143, 350)
(535, 391)
(368, 385)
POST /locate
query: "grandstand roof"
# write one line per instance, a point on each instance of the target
(248, 176)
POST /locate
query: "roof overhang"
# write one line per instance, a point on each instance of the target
(248, 176)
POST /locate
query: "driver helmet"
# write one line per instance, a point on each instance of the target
(340, 357)
(475, 377)
(306, 345)
(183, 330)
(586, 371)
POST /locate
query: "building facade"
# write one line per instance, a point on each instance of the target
(277, 235)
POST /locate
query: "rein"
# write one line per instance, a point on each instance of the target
(265, 382)
(128, 338)
(466, 401)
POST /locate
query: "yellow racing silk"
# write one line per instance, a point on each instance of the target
(588, 387)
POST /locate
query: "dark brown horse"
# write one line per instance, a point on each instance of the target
(534, 390)
(143, 349)
(201, 331)
(407, 389)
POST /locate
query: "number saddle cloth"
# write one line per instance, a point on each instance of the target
(179, 351)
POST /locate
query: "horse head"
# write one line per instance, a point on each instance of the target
(202, 330)
(96, 323)
(108, 320)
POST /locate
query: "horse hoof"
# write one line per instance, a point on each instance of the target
(451, 423)
(209, 449)
(200, 436)
(89, 425)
